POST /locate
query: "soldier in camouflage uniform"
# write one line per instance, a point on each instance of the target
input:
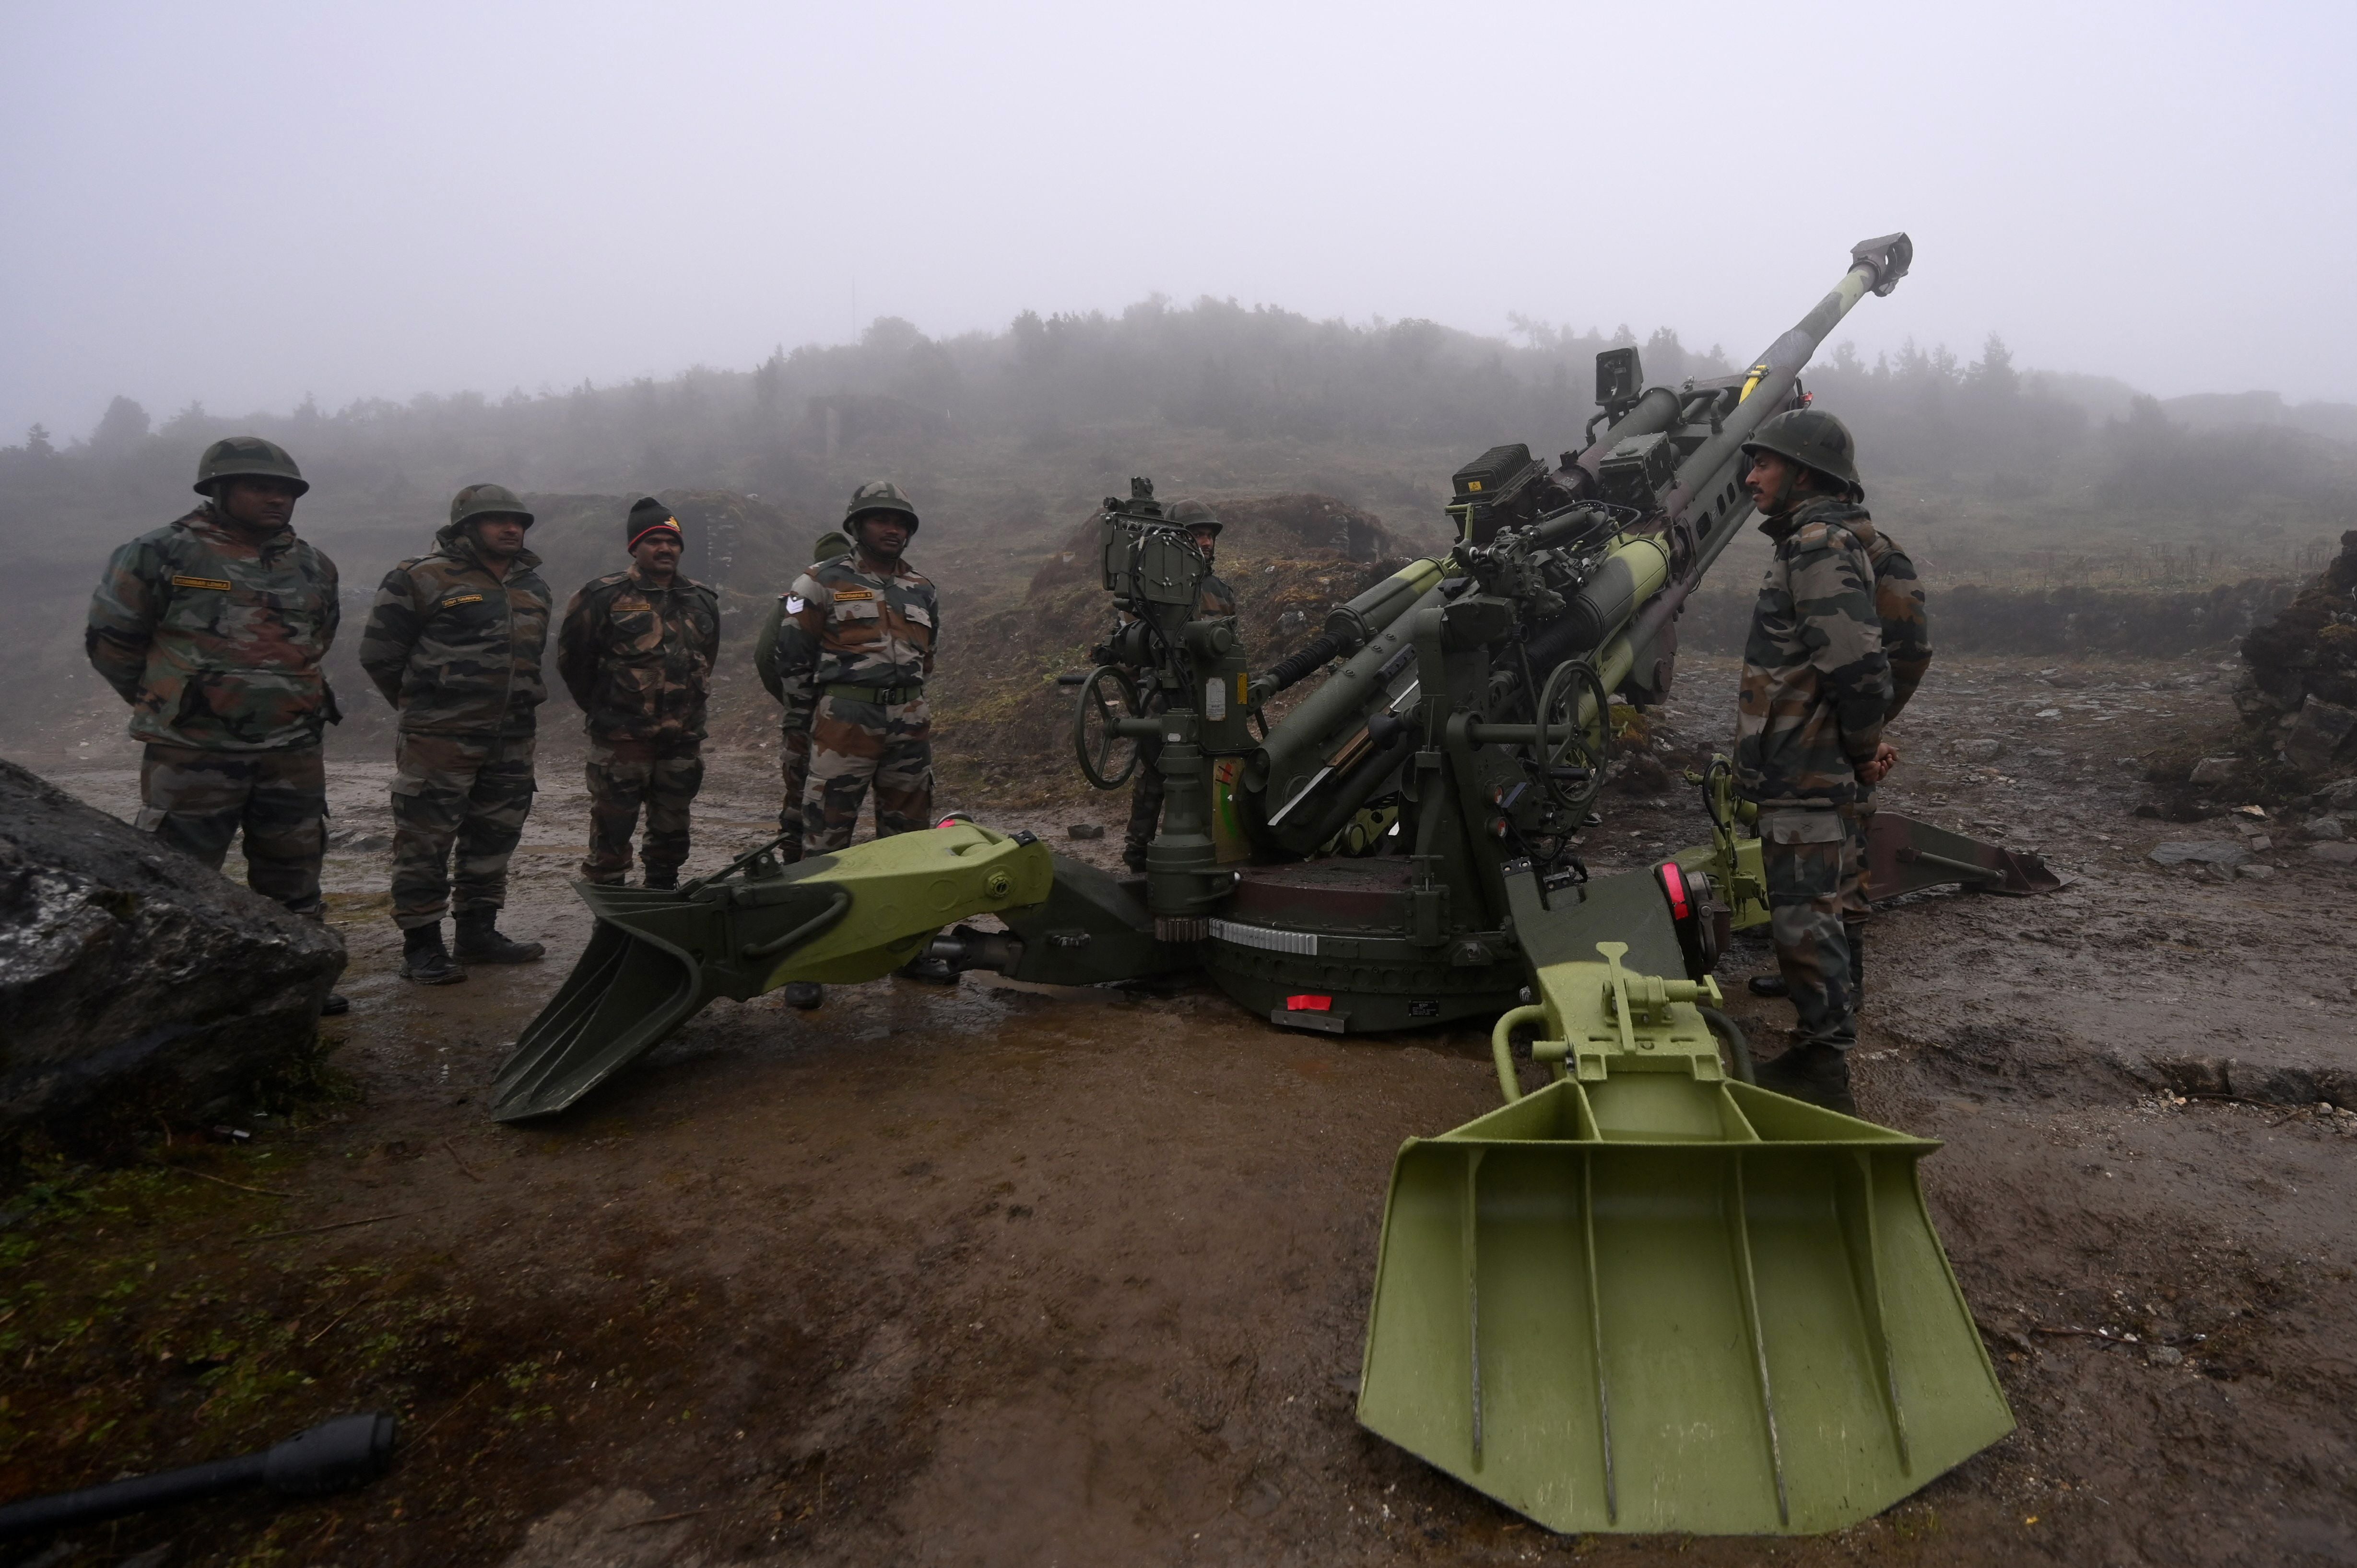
(1213, 600)
(636, 651)
(1816, 684)
(454, 641)
(854, 647)
(1906, 643)
(793, 737)
(214, 629)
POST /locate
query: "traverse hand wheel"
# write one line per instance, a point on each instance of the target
(1107, 757)
(1569, 749)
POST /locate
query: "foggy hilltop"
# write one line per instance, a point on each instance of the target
(1022, 428)
(1998, 474)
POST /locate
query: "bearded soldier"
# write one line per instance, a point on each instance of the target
(854, 647)
(1817, 686)
(1214, 599)
(454, 641)
(794, 737)
(214, 629)
(637, 652)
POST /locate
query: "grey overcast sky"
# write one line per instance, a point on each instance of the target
(243, 203)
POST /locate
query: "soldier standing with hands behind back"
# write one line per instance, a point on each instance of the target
(794, 737)
(1817, 686)
(454, 641)
(214, 629)
(637, 652)
(1898, 607)
(853, 649)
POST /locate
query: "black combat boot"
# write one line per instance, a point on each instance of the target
(804, 993)
(1813, 1071)
(423, 959)
(665, 877)
(480, 942)
(1771, 985)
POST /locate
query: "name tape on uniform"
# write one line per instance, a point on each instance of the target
(843, 593)
(219, 585)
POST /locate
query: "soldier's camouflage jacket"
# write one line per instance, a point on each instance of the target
(216, 642)
(639, 658)
(843, 627)
(1817, 684)
(1898, 605)
(455, 648)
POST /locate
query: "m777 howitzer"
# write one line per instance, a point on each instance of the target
(1647, 1297)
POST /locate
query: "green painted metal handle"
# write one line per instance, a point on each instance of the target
(824, 920)
(1502, 1046)
(1739, 1049)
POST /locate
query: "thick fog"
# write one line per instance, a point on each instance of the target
(243, 204)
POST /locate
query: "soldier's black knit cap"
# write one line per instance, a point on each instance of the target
(647, 514)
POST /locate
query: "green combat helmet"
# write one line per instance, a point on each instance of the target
(486, 500)
(1192, 514)
(829, 546)
(1814, 440)
(244, 458)
(880, 494)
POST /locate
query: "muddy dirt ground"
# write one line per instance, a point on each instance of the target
(991, 1275)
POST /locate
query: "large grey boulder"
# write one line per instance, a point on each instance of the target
(134, 983)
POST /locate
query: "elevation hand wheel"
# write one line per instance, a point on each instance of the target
(1569, 749)
(1107, 696)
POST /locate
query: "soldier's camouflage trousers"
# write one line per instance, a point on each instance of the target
(663, 775)
(793, 766)
(1856, 894)
(1805, 856)
(199, 801)
(853, 744)
(470, 792)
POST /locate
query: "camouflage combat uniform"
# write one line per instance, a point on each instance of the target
(456, 647)
(1906, 643)
(1816, 685)
(793, 735)
(216, 642)
(1214, 600)
(854, 651)
(638, 657)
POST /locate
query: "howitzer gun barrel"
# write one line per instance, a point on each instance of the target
(1875, 265)
(1628, 593)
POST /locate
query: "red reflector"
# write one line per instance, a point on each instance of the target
(1309, 1003)
(1674, 883)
